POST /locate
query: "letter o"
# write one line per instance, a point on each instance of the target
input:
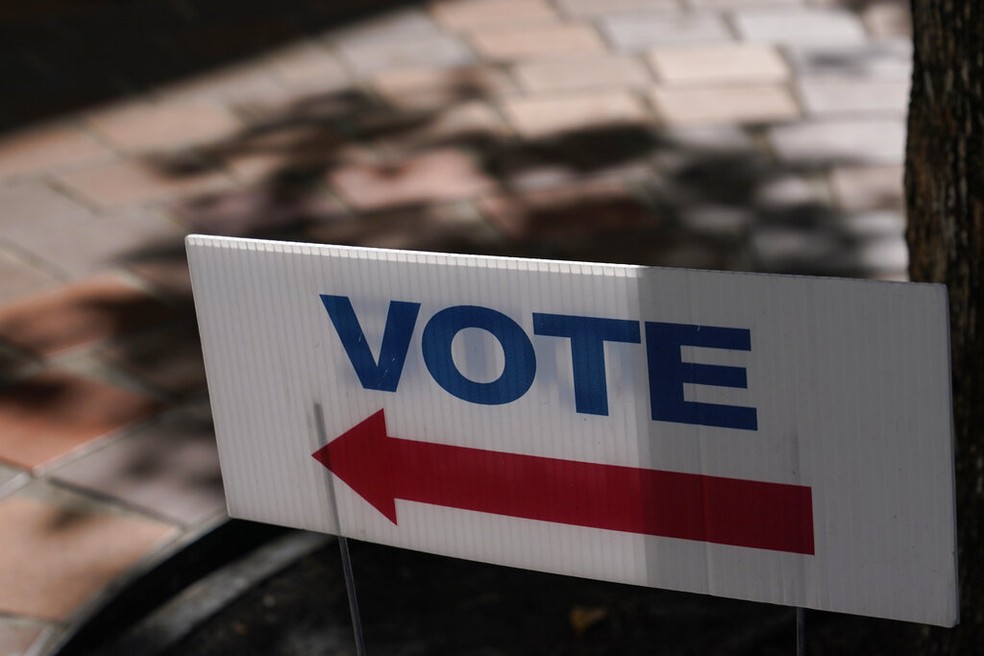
(517, 374)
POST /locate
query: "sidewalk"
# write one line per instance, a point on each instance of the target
(761, 135)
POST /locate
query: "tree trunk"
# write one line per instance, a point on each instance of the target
(944, 179)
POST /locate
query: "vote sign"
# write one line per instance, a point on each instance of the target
(773, 438)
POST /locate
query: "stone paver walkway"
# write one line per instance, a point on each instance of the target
(733, 134)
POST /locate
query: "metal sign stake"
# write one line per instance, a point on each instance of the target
(343, 548)
(800, 631)
(353, 599)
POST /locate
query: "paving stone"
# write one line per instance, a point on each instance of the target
(256, 211)
(79, 314)
(538, 117)
(10, 480)
(18, 635)
(583, 209)
(83, 247)
(170, 361)
(730, 63)
(146, 126)
(875, 243)
(459, 123)
(25, 204)
(860, 141)
(48, 416)
(868, 188)
(291, 111)
(536, 175)
(408, 24)
(240, 83)
(470, 14)
(885, 59)
(19, 278)
(552, 160)
(796, 250)
(429, 177)
(429, 88)
(309, 67)
(91, 365)
(872, 224)
(634, 32)
(707, 138)
(714, 176)
(528, 41)
(528, 172)
(373, 56)
(683, 106)
(169, 469)
(66, 556)
(802, 26)
(889, 18)
(727, 5)
(681, 150)
(717, 221)
(14, 363)
(47, 148)
(124, 182)
(579, 73)
(251, 169)
(166, 275)
(593, 8)
(890, 276)
(785, 191)
(692, 251)
(889, 255)
(452, 227)
(831, 97)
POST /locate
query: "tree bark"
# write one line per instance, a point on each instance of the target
(944, 180)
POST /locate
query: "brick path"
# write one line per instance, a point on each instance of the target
(734, 134)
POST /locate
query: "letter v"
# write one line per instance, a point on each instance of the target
(383, 375)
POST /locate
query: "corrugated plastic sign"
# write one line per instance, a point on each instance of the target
(774, 438)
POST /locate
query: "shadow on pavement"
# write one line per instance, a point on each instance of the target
(59, 56)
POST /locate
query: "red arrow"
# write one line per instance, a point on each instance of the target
(382, 469)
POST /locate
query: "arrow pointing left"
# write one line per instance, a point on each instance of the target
(382, 469)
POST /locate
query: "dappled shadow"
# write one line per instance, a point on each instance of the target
(861, 5)
(75, 315)
(186, 449)
(55, 412)
(168, 469)
(351, 167)
(169, 359)
(65, 519)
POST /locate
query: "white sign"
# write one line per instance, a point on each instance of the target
(774, 438)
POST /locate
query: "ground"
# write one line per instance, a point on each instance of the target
(415, 604)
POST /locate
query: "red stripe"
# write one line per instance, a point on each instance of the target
(729, 511)
(650, 502)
